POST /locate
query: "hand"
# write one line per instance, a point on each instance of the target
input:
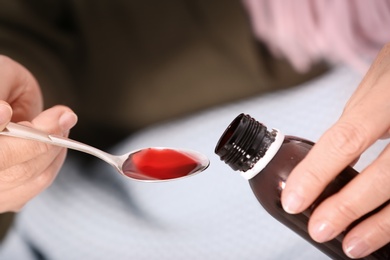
(27, 167)
(365, 119)
(19, 89)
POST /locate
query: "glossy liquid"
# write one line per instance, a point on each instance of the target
(160, 164)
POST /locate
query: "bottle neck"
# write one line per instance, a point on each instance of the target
(246, 144)
(269, 154)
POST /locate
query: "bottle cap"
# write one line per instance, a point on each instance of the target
(243, 143)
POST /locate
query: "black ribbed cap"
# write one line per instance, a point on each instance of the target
(243, 143)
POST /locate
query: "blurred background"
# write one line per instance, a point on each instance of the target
(175, 73)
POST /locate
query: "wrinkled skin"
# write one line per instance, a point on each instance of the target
(365, 119)
(27, 167)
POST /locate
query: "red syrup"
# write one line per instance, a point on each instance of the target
(160, 164)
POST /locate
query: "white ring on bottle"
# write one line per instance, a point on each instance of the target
(269, 154)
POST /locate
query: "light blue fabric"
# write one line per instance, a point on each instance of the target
(94, 213)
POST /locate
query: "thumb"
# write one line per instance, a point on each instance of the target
(55, 120)
(5, 114)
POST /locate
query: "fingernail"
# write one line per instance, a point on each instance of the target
(293, 202)
(357, 248)
(322, 232)
(67, 121)
(5, 113)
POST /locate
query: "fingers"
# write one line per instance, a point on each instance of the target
(369, 236)
(364, 120)
(5, 114)
(20, 89)
(335, 150)
(57, 120)
(39, 174)
(366, 192)
(28, 167)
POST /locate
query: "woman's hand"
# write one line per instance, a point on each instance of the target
(365, 119)
(27, 167)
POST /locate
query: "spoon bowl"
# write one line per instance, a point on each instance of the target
(153, 164)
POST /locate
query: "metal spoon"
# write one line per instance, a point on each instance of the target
(125, 164)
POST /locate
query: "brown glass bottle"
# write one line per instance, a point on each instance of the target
(266, 158)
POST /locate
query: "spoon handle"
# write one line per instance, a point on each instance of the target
(21, 131)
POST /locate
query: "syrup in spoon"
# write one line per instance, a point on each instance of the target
(149, 164)
(161, 164)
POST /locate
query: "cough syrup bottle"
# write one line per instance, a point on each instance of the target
(266, 158)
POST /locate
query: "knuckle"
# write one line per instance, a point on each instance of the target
(42, 148)
(35, 149)
(8, 179)
(15, 176)
(23, 171)
(383, 227)
(314, 177)
(347, 211)
(382, 180)
(348, 139)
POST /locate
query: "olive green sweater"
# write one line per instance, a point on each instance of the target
(123, 65)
